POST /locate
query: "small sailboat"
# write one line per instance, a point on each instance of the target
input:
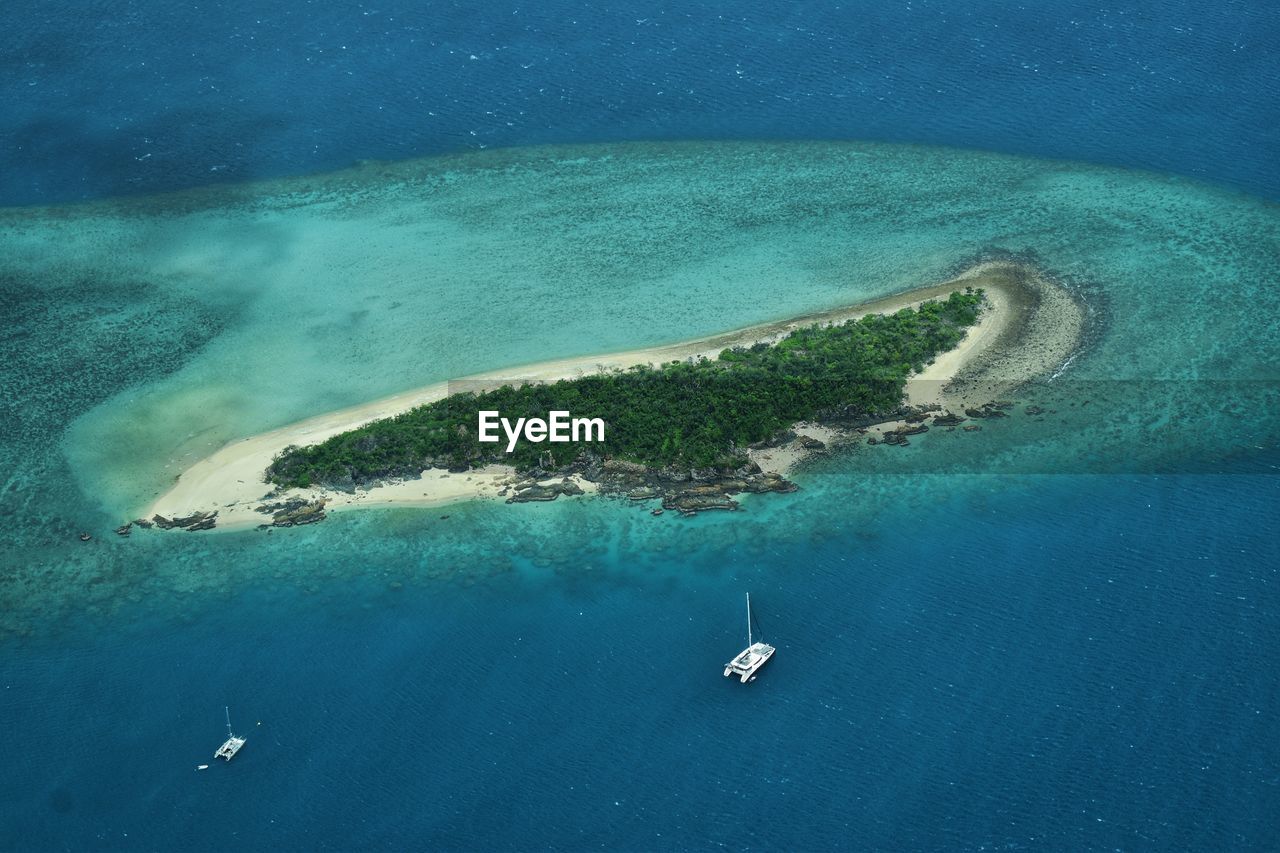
(229, 749)
(754, 656)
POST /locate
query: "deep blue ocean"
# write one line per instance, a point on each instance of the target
(142, 96)
(1042, 662)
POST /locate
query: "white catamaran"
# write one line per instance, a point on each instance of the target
(754, 656)
(233, 744)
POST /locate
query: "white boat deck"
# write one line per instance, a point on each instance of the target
(754, 656)
(230, 748)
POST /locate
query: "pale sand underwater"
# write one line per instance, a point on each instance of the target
(232, 482)
(148, 333)
(198, 318)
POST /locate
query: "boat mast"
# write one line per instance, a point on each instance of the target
(228, 710)
(748, 620)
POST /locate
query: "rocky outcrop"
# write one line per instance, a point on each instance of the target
(206, 523)
(682, 489)
(293, 513)
(851, 418)
(898, 437)
(989, 410)
(947, 419)
(195, 521)
(533, 491)
(698, 498)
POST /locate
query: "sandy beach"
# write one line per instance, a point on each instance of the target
(1029, 328)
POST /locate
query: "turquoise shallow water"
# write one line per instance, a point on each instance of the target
(1056, 626)
(254, 307)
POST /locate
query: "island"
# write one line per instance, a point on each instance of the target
(689, 426)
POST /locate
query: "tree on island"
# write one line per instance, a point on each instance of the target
(692, 414)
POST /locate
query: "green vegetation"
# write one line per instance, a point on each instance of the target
(694, 414)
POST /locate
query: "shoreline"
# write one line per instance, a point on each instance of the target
(1033, 328)
(993, 358)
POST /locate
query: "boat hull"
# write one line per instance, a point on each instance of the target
(746, 664)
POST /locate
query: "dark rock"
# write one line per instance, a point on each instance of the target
(972, 428)
(536, 492)
(193, 519)
(772, 482)
(657, 511)
(1033, 410)
(143, 523)
(206, 523)
(124, 529)
(643, 494)
(346, 483)
(299, 512)
(853, 418)
(85, 537)
(282, 506)
(948, 420)
(694, 500)
(810, 443)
